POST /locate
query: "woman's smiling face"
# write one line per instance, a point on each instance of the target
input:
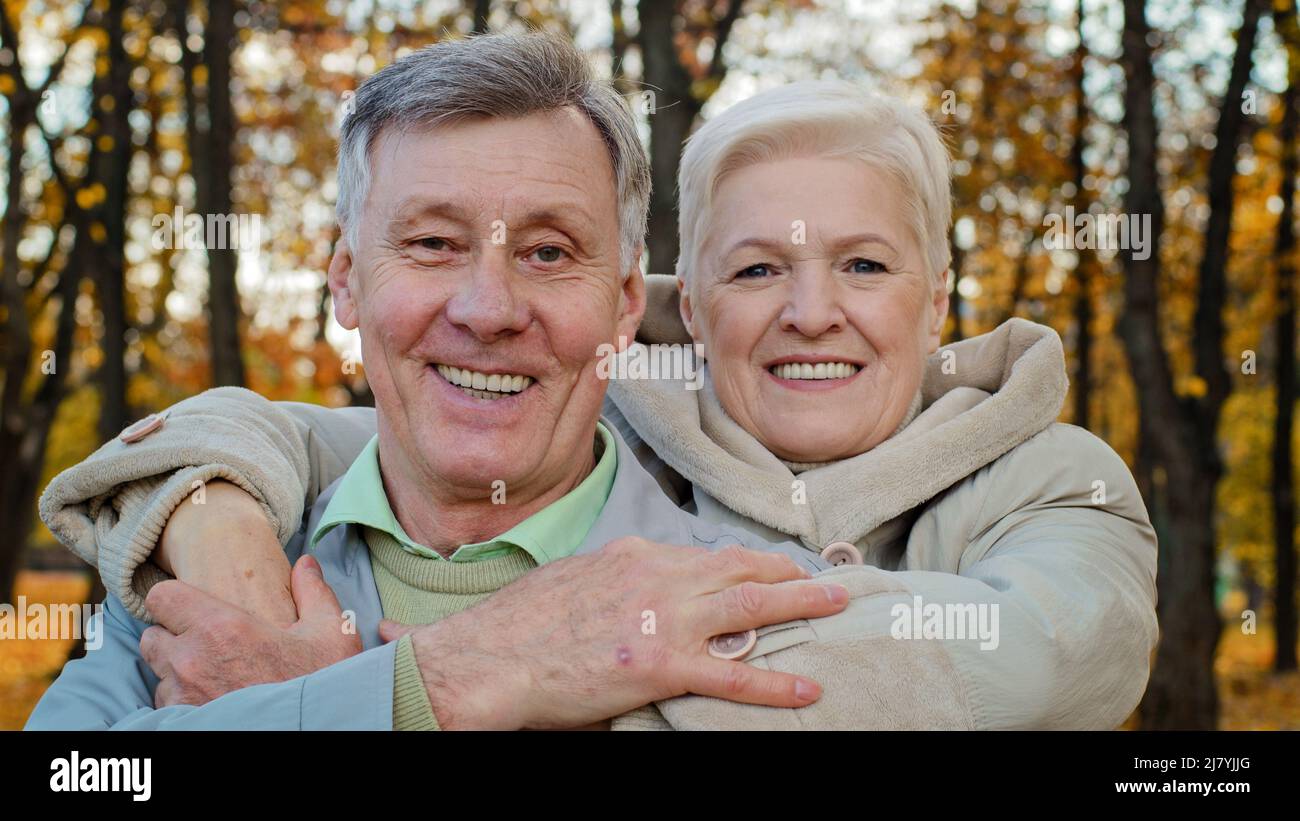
(808, 270)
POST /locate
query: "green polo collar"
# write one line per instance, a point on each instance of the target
(551, 533)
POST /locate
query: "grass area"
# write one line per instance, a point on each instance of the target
(1251, 696)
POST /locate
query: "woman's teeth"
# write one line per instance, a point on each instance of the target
(822, 370)
(483, 385)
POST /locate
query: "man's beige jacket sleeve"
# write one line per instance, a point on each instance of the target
(111, 509)
(1053, 535)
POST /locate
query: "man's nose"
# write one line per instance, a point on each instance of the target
(812, 305)
(488, 304)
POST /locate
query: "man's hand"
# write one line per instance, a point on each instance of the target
(570, 643)
(226, 547)
(206, 648)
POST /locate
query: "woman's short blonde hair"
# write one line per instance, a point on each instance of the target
(825, 118)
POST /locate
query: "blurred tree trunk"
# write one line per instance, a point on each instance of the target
(677, 100)
(1020, 280)
(20, 452)
(212, 140)
(25, 419)
(111, 167)
(482, 8)
(1180, 431)
(618, 47)
(674, 110)
(1084, 257)
(954, 297)
(1284, 254)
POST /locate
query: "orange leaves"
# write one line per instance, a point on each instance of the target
(1253, 697)
(27, 666)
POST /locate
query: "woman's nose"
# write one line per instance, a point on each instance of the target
(487, 303)
(812, 307)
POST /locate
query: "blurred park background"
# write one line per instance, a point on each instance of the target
(119, 111)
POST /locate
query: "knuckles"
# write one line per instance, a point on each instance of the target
(150, 640)
(734, 679)
(734, 559)
(222, 627)
(186, 669)
(160, 596)
(744, 599)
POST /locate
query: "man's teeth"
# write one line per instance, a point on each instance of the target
(484, 385)
(822, 370)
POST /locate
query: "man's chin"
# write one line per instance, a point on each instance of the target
(477, 460)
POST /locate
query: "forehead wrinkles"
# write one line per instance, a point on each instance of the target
(563, 139)
(503, 181)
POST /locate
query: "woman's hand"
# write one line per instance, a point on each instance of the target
(220, 542)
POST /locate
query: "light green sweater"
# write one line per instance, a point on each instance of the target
(418, 590)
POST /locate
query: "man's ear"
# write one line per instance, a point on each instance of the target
(939, 306)
(631, 301)
(341, 282)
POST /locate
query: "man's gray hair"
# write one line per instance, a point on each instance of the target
(493, 75)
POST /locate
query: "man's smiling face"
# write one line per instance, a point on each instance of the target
(488, 254)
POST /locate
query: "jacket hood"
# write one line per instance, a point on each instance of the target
(979, 398)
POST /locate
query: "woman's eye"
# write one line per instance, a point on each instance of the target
(549, 253)
(867, 266)
(752, 272)
(433, 244)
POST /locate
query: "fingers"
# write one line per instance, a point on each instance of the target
(167, 693)
(156, 647)
(178, 606)
(745, 684)
(734, 564)
(749, 605)
(393, 630)
(312, 595)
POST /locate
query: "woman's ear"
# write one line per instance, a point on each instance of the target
(342, 282)
(938, 310)
(686, 308)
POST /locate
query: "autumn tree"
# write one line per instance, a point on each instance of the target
(1180, 430)
(671, 39)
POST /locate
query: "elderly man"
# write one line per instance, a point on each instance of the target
(492, 201)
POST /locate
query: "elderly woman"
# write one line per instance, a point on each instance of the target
(1002, 564)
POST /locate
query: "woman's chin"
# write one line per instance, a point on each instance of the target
(803, 435)
(816, 450)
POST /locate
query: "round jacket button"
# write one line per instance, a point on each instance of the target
(842, 553)
(143, 428)
(732, 645)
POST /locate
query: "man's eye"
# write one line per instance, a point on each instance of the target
(433, 244)
(752, 272)
(868, 266)
(549, 253)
